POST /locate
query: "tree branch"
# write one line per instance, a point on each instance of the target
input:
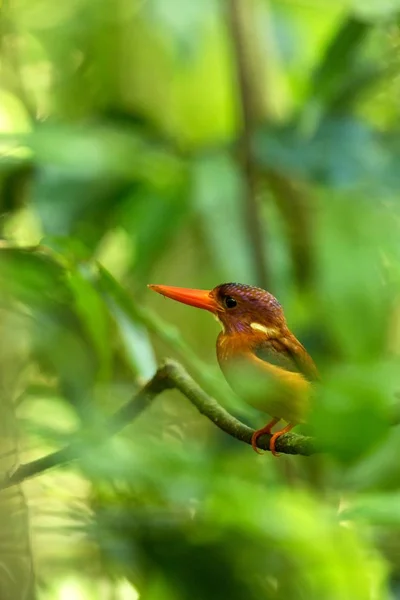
(170, 375)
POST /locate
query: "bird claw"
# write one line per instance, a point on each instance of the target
(254, 439)
(272, 443)
(276, 435)
(259, 432)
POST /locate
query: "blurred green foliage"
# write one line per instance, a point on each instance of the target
(121, 154)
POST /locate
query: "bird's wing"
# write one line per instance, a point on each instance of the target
(287, 353)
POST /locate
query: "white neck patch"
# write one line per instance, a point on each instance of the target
(220, 322)
(269, 331)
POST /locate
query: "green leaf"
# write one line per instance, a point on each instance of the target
(152, 218)
(338, 59)
(138, 347)
(350, 415)
(93, 314)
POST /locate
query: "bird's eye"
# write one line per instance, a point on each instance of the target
(230, 302)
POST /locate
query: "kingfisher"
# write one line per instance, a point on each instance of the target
(258, 354)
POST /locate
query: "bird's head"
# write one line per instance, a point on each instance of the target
(240, 308)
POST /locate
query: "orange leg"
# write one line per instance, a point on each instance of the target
(266, 429)
(275, 437)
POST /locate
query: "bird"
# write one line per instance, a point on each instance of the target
(260, 357)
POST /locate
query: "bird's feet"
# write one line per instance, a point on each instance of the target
(267, 429)
(259, 432)
(276, 436)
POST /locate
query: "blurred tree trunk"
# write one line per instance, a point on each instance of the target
(16, 568)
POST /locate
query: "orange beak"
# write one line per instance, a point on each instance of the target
(197, 298)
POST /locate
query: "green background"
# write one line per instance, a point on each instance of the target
(190, 144)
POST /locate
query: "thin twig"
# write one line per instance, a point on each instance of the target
(249, 101)
(170, 375)
(295, 204)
